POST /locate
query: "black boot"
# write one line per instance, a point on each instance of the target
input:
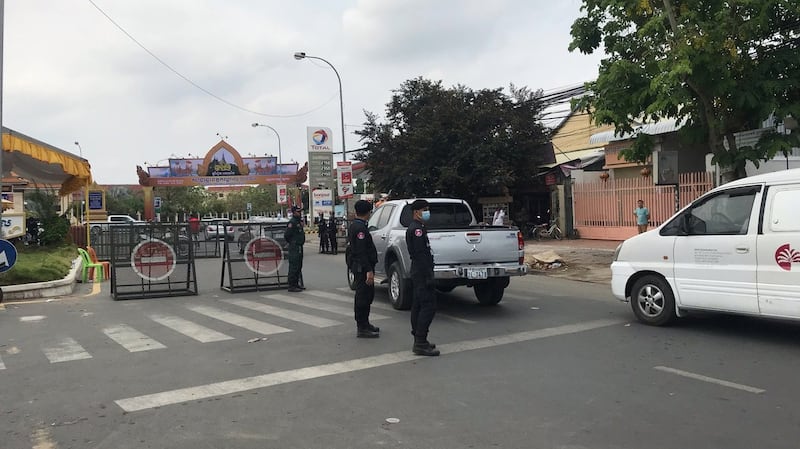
(422, 347)
(367, 333)
(431, 345)
(373, 328)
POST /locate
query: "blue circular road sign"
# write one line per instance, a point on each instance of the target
(8, 255)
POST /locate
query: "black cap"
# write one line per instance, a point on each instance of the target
(362, 207)
(419, 204)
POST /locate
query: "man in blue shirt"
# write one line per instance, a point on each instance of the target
(642, 216)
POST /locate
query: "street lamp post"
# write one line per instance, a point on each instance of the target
(302, 55)
(280, 173)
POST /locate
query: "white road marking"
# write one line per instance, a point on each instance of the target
(32, 318)
(256, 326)
(347, 299)
(178, 396)
(66, 350)
(305, 302)
(131, 339)
(2, 365)
(341, 298)
(301, 317)
(190, 329)
(712, 380)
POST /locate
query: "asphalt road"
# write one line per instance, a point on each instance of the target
(558, 364)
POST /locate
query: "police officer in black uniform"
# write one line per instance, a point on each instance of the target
(295, 237)
(363, 256)
(423, 307)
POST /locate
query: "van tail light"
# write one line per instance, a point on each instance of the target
(521, 245)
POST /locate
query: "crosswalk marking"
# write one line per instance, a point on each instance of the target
(131, 339)
(336, 297)
(2, 365)
(349, 300)
(296, 300)
(301, 317)
(65, 350)
(259, 327)
(190, 329)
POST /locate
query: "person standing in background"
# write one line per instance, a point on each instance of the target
(499, 217)
(642, 216)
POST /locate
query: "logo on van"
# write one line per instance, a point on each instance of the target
(785, 256)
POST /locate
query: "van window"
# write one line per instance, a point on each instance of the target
(443, 215)
(726, 213)
(785, 214)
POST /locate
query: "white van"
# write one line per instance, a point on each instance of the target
(736, 249)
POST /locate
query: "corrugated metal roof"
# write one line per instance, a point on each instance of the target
(661, 127)
(562, 157)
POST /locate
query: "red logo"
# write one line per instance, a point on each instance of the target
(418, 232)
(263, 255)
(361, 236)
(785, 256)
(153, 260)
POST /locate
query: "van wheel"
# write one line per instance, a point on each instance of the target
(399, 288)
(652, 301)
(351, 280)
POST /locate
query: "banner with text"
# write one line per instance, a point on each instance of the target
(344, 177)
(322, 201)
(282, 194)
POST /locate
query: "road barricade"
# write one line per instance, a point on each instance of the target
(257, 260)
(149, 260)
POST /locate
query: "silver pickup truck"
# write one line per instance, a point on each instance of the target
(464, 253)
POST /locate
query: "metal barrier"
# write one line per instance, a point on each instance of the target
(203, 245)
(149, 260)
(257, 260)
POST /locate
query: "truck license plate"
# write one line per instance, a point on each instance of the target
(477, 273)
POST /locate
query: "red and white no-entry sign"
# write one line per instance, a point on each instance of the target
(153, 260)
(263, 255)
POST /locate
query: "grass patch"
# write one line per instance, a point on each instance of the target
(37, 264)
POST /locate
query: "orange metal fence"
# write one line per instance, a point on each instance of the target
(604, 210)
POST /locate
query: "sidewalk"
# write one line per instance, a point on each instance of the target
(584, 260)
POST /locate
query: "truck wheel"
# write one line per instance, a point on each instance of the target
(351, 280)
(652, 301)
(399, 288)
(489, 293)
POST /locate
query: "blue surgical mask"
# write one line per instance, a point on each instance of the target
(426, 215)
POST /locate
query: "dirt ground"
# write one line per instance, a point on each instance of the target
(583, 260)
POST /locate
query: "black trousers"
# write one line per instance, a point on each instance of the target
(295, 265)
(423, 306)
(363, 299)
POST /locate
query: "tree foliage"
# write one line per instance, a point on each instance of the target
(455, 141)
(720, 66)
(122, 200)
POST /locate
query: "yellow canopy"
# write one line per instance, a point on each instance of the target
(42, 163)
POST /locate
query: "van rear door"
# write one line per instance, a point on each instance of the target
(779, 253)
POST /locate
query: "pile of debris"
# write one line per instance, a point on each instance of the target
(546, 261)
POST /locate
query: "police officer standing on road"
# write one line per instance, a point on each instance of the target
(363, 257)
(295, 237)
(423, 307)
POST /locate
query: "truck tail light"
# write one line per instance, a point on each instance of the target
(521, 245)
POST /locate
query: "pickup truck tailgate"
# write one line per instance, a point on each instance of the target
(474, 246)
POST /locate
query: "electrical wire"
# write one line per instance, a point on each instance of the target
(197, 86)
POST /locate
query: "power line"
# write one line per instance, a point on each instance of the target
(197, 86)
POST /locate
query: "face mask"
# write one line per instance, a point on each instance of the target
(426, 215)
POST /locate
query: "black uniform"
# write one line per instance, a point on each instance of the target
(423, 307)
(295, 237)
(364, 256)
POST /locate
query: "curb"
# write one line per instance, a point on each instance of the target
(49, 289)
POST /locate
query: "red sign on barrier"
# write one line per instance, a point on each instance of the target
(153, 260)
(263, 255)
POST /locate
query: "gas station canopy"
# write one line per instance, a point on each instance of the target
(42, 163)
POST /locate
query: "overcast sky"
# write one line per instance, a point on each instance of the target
(71, 75)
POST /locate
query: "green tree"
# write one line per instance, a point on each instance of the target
(43, 204)
(454, 141)
(182, 199)
(720, 66)
(122, 200)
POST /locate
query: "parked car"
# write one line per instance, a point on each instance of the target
(735, 249)
(217, 228)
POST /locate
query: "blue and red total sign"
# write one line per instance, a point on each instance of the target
(263, 255)
(153, 260)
